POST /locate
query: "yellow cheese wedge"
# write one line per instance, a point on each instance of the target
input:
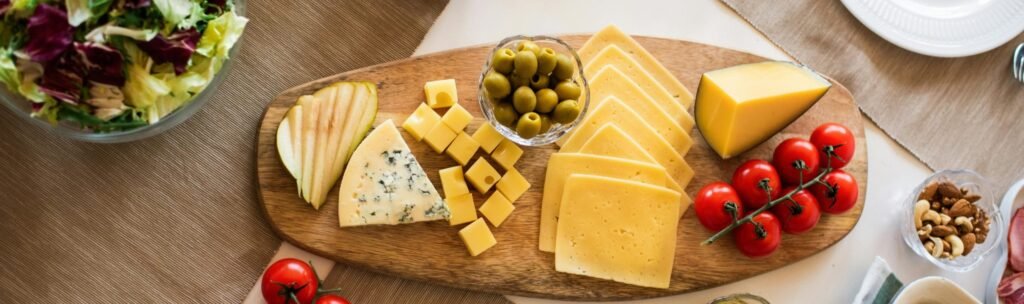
(612, 35)
(740, 107)
(614, 56)
(612, 141)
(561, 165)
(612, 109)
(621, 116)
(618, 230)
(610, 81)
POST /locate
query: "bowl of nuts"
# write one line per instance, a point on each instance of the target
(952, 220)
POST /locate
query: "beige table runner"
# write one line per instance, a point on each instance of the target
(950, 113)
(175, 218)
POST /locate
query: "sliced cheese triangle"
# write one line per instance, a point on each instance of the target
(385, 185)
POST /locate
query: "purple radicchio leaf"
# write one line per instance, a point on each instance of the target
(176, 48)
(133, 4)
(49, 33)
(4, 5)
(103, 64)
(64, 77)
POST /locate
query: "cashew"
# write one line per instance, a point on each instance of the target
(931, 216)
(958, 245)
(924, 232)
(944, 219)
(964, 223)
(929, 246)
(920, 208)
(937, 248)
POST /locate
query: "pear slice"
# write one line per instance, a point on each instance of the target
(287, 133)
(342, 101)
(295, 124)
(310, 109)
(326, 97)
(369, 114)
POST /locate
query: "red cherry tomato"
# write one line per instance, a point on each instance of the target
(332, 299)
(840, 196)
(793, 153)
(288, 277)
(800, 214)
(760, 237)
(716, 204)
(749, 179)
(837, 138)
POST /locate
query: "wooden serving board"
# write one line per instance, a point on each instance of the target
(434, 253)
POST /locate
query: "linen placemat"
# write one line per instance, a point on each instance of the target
(175, 218)
(949, 112)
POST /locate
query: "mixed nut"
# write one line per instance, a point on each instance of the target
(947, 220)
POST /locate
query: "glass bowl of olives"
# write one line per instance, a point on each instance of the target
(532, 89)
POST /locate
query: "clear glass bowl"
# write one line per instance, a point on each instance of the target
(976, 184)
(23, 108)
(557, 130)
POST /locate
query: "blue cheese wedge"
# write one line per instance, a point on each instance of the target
(385, 185)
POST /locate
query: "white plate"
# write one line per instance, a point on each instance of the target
(934, 290)
(1009, 204)
(942, 28)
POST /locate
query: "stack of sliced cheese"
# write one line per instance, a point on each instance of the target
(613, 194)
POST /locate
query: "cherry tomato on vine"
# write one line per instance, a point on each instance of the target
(331, 299)
(750, 181)
(840, 195)
(792, 154)
(760, 237)
(716, 205)
(288, 280)
(837, 138)
(800, 214)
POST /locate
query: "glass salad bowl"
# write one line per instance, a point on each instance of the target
(975, 183)
(23, 107)
(557, 130)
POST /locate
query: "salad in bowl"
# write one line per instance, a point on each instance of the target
(107, 66)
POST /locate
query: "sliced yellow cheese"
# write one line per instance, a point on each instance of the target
(561, 165)
(619, 230)
(621, 116)
(612, 109)
(614, 56)
(740, 107)
(610, 81)
(612, 141)
(612, 35)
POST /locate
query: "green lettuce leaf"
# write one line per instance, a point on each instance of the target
(221, 34)
(8, 71)
(141, 89)
(78, 11)
(23, 8)
(174, 11)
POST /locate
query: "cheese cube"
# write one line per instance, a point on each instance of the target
(453, 182)
(441, 93)
(421, 121)
(439, 137)
(488, 137)
(507, 154)
(482, 175)
(457, 118)
(462, 148)
(478, 237)
(462, 209)
(732, 102)
(512, 184)
(496, 209)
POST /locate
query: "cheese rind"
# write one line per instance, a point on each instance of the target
(478, 237)
(612, 35)
(496, 209)
(561, 165)
(618, 230)
(421, 121)
(740, 107)
(384, 184)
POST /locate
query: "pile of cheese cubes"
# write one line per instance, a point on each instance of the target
(447, 134)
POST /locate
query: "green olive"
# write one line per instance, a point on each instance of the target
(526, 45)
(564, 68)
(546, 61)
(502, 60)
(517, 81)
(546, 100)
(497, 85)
(524, 99)
(567, 90)
(529, 125)
(545, 123)
(505, 114)
(566, 111)
(526, 64)
(538, 82)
